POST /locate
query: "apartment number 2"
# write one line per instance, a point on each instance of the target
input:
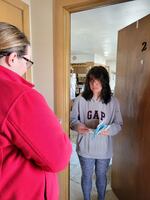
(144, 46)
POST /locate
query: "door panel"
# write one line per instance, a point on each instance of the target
(16, 12)
(11, 14)
(131, 163)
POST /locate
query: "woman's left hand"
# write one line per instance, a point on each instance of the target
(105, 133)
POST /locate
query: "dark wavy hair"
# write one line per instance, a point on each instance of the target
(99, 73)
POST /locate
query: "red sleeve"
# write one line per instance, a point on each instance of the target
(35, 130)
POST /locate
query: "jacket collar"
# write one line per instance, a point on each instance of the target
(10, 75)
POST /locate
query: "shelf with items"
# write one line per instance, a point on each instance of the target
(81, 69)
(81, 78)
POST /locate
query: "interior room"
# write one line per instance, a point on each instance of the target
(94, 37)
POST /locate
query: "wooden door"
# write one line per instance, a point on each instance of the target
(17, 13)
(131, 162)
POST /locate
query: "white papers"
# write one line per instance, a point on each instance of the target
(101, 127)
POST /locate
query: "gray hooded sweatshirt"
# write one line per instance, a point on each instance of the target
(91, 113)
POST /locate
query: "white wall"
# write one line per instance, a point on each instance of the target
(81, 58)
(26, 1)
(112, 64)
(98, 59)
(42, 46)
(112, 71)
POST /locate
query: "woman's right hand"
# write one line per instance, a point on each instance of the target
(82, 129)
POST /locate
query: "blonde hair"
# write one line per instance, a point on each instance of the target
(12, 40)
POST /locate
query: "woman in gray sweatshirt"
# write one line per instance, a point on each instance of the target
(94, 106)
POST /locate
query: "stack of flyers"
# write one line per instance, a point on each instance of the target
(101, 127)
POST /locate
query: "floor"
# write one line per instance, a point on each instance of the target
(75, 176)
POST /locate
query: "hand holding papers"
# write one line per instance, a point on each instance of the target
(101, 127)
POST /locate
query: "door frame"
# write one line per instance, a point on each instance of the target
(61, 42)
(26, 25)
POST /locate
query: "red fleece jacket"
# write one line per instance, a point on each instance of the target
(33, 146)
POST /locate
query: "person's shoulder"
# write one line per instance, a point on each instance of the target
(15, 89)
(114, 100)
(80, 98)
(31, 98)
(33, 93)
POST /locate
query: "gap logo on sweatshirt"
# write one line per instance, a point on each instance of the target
(95, 115)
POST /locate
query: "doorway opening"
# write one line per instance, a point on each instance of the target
(62, 16)
(94, 42)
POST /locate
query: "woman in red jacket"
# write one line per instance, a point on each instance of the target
(33, 146)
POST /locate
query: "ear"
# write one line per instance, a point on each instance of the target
(11, 59)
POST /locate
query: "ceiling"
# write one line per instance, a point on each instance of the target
(95, 31)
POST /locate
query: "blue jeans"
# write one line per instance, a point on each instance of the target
(101, 168)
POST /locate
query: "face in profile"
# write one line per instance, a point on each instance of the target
(20, 64)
